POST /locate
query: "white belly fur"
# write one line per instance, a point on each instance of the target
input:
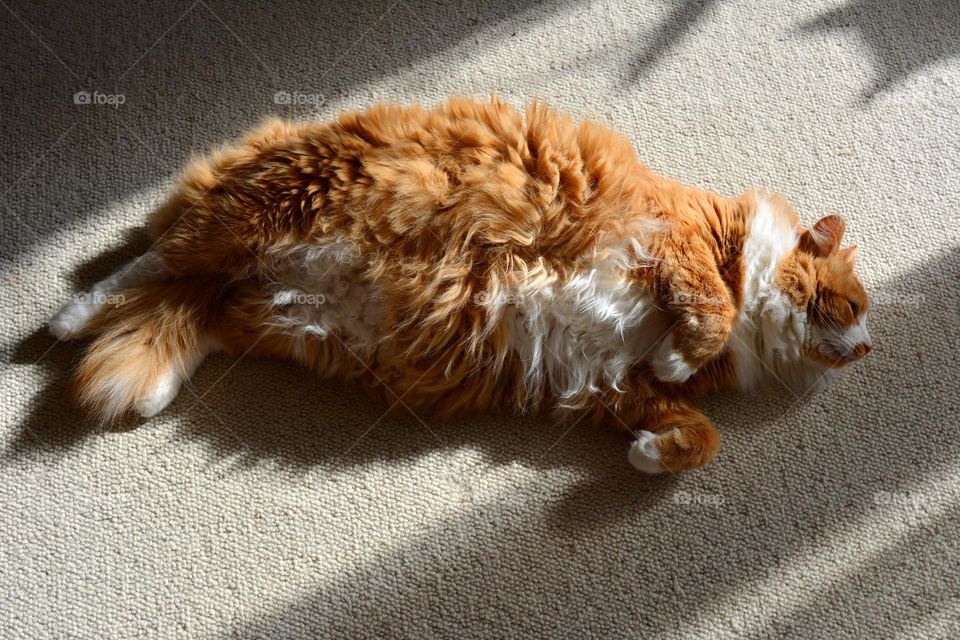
(574, 337)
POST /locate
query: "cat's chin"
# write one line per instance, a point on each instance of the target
(823, 357)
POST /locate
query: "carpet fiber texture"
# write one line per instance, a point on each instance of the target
(265, 503)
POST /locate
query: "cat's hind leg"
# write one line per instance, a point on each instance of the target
(679, 439)
(146, 345)
(74, 318)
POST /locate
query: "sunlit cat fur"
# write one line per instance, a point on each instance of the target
(470, 258)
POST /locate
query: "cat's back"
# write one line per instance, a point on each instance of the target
(480, 175)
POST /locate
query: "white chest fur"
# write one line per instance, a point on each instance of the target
(771, 331)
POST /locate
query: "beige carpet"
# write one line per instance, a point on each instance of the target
(268, 504)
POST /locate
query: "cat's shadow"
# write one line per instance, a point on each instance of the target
(52, 420)
(255, 411)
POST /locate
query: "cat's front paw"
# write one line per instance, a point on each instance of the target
(644, 453)
(668, 363)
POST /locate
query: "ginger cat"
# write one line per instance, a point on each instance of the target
(465, 258)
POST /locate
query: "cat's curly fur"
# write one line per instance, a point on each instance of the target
(468, 258)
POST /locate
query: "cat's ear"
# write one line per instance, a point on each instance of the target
(824, 237)
(849, 254)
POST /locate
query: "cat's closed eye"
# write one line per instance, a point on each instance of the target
(854, 308)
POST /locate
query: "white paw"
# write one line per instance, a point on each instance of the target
(73, 317)
(644, 454)
(162, 395)
(668, 363)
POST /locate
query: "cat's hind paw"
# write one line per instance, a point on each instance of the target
(668, 363)
(73, 318)
(162, 394)
(644, 453)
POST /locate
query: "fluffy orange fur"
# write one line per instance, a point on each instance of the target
(443, 205)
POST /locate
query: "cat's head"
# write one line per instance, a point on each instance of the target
(819, 277)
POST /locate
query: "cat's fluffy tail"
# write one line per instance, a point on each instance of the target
(147, 342)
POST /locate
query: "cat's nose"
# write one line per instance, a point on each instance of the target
(861, 350)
